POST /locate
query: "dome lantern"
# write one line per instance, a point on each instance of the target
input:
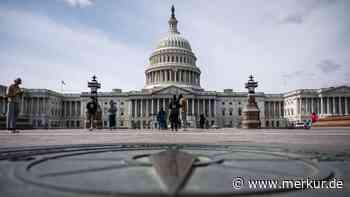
(173, 22)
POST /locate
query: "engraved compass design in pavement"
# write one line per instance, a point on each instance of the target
(150, 170)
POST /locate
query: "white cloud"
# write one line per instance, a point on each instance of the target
(79, 3)
(47, 52)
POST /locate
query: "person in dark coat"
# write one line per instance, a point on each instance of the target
(161, 118)
(202, 121)
(112, 115)
(174, 108)
(91, 107)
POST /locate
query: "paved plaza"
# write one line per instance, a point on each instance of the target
(325, 139)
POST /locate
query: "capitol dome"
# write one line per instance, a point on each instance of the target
(173, 62)
(174, 40)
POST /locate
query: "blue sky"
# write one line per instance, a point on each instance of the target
(287, 44)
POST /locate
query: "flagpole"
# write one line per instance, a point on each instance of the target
(61, 86)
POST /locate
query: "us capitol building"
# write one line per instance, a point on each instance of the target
(173, 70)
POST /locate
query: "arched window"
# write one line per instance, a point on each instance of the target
(181, 59)
(168, 58)
(172, 58)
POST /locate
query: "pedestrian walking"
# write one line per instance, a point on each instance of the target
(202, 121)
(91, 114)
(174, 113)
(161, 118)
(112, 115)
(183, 109)
(13, 99)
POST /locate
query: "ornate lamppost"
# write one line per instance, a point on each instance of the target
(251, 112)
(94, 85)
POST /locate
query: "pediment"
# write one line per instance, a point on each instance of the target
(171, 90)
(338, 90)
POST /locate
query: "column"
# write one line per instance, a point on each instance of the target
(131, 112)
(209, 111)
(282, 108)
(214, 107)
(198, 112)
(300, 101)
(76, 109)
(192, 112)
(146, 108)
(322, 107)
(327, 105)
(31, 106)
(66, 108)
(180, 76)
(189, 77)
(141, 107)
(340, 111)
(333, 106)
(70, 108)
(73, 108)
(157, 105)
(346, 106)
(152, 109)
(37, 106)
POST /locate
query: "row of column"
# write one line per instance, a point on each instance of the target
(149, 107)
(71, 108)
(334, 105)
(274, 109)
(42, 105)
(169, 75)
(165, 58)
(34, 105)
